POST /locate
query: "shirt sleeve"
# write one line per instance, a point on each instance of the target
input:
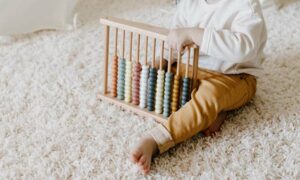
(240, 42)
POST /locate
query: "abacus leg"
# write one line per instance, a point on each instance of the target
(217, 93)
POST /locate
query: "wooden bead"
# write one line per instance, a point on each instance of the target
(175, 94)
(136, 84)
(114, 76)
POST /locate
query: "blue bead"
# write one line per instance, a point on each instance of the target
(153, 70)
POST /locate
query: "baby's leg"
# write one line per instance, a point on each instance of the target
(217, 93)
(147, 147)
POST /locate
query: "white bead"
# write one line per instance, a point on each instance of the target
(159, 91)
(143, 84)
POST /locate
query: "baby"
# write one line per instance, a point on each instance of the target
(231, 35)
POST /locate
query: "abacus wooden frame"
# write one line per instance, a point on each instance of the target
(145, 30)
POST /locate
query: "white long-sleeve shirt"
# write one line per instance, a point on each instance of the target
(234, 33)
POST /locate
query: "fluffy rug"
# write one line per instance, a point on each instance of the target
(52, 126)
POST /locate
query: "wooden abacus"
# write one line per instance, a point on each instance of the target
(142, 88)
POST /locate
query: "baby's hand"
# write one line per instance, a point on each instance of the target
(180, 38)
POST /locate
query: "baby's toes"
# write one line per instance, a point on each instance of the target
(142, 161)
(136, 155)
(146, 167)
(145, 164)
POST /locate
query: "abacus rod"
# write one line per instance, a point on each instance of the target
(146, 50)
(153, 52)
(195, 68)
(116, 42)
(123, 44)
(106, 56)
(178, 63)
(170, 60)
(138, 48)
(188, 62)
(130, 46)
(162, 55)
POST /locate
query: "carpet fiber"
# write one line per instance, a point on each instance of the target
(52, 126)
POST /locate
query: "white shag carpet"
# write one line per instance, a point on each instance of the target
(52, 126)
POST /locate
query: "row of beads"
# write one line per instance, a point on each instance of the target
(158, 86)
(136, 83)
(175, 94)
(185, 97)
(143, 86)
(151, 89)
(167, 94)
(159, 91)
(128, 81)
(114, 73)
(121, 78)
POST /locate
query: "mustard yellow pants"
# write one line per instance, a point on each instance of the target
(216, 93)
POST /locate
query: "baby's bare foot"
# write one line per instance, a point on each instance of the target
(143, 152)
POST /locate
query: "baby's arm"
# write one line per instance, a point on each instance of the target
(243, 39)
(180, 37)
(239, 43)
